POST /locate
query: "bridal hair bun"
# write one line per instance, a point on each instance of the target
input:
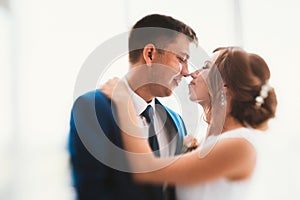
(253, 100)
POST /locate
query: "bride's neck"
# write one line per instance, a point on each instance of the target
(207, 113)
(231, 123)
(207, 116)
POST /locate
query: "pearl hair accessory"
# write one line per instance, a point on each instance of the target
(263, 94)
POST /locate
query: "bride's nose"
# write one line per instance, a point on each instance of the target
(195, 74)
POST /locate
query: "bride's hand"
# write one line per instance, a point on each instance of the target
(189, 143)
(115, 89)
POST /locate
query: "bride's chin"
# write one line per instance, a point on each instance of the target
(194, 99)
(199, 101)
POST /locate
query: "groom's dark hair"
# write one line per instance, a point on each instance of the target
(159, 30)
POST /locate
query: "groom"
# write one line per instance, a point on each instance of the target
(158, 54)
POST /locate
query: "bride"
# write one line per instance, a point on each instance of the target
(235, 84)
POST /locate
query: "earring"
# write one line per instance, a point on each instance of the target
(223, 100)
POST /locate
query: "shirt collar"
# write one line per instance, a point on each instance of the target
(139, 103)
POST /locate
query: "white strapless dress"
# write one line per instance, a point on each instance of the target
(223, 189)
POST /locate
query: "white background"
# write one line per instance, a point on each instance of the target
(44, 43)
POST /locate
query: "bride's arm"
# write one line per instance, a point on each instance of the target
(230, 158)
(224, 161)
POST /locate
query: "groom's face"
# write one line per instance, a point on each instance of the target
(170, 65)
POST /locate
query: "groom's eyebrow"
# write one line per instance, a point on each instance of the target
(185, 55)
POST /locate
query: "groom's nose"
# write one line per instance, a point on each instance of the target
(185, 70)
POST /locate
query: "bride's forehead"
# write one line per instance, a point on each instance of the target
(204, 73)
(214, 56)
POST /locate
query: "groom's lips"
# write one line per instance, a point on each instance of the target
(177, 81)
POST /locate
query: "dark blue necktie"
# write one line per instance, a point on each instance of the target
(169, 193)
(152, 138)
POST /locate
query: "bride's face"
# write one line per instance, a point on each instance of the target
(198, 89)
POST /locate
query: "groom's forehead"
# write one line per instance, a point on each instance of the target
(180, 46)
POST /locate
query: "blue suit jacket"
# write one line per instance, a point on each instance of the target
(96, 163)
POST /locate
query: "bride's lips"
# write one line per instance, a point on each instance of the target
(191, 83)
(190, 86)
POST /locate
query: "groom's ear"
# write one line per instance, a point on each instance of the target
(149, 53)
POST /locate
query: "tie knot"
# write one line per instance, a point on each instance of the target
(148, 114)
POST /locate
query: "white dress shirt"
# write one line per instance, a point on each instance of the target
(165, 147)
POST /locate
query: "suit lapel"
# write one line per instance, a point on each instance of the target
(173, 124)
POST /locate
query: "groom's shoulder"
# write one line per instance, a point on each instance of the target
(96, 95)
(169, 110)
(93, 97)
